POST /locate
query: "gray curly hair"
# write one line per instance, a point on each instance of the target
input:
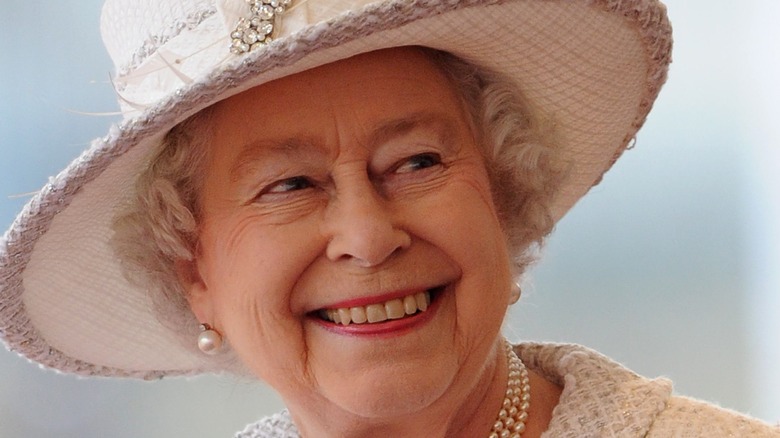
(160, 226)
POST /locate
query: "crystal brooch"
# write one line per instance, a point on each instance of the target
(257, 30)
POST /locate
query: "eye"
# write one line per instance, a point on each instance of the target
(287, 185)
(418, 162)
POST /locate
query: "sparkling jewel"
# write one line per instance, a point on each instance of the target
(265, 12)
(511, 419)
(250, 37)
(255, 31)
(265, 28)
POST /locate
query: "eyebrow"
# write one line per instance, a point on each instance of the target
(254, 152)
(301, 147)
(442, 125)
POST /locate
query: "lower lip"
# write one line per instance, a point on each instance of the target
(394, 327)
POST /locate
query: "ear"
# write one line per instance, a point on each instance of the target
(195, 288)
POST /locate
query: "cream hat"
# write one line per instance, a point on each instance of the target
(595, 66)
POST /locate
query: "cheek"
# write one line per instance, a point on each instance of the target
(464, 215)
(250, 273)
(250, 259)
(463, 223)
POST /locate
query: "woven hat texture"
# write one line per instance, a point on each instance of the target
(594, 66)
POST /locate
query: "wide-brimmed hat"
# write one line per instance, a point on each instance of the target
(594, 66)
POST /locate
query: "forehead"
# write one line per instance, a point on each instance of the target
(346, 109)
(374, 87)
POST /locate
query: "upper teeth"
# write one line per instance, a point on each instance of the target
(394, 309)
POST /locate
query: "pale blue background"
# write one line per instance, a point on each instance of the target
(670, 265)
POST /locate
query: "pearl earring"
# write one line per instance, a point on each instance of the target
(514, 295)
(209, 340)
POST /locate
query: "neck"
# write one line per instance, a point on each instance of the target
(468, 412)
(478, 411)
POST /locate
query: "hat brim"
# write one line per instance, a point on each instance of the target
(595, 67)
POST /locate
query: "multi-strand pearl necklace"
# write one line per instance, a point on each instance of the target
(514, 411)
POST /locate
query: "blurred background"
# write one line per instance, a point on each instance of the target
(670, 266)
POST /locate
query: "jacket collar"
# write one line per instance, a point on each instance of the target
(600, 397)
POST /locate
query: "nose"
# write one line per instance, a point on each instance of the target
(362, 227)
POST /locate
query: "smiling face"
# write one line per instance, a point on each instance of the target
(349, 193)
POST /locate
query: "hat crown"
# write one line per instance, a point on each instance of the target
(129, 25)
(159, 46)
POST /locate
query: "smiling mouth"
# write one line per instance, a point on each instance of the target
(397, 308)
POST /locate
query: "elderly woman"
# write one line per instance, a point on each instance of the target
(337, 198)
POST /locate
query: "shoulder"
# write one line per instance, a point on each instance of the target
(274, 426)
(599, 396)
(602, 398)
(685, 416)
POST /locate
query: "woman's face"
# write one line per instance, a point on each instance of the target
(352, 189)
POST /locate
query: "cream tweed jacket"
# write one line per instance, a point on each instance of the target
(600, 398)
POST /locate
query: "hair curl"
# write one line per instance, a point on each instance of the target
(161, 224)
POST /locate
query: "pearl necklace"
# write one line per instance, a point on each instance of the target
(514, 411)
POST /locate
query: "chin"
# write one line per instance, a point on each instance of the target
(391, 393)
